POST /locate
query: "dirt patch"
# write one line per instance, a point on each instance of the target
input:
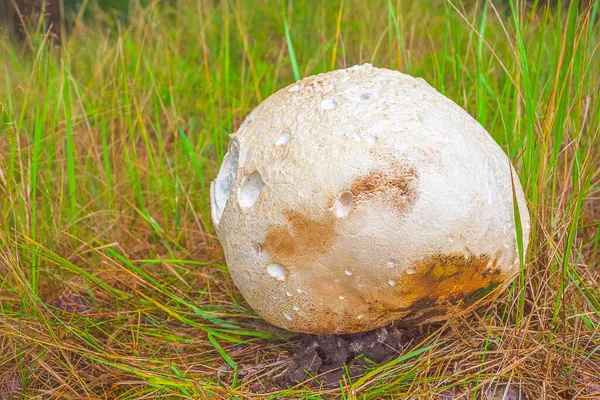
(488, 392)
(302, 241)
(437, 281)
(11, 386)
(397, 187)
(79, 303)
(450, 277)
(323, 356)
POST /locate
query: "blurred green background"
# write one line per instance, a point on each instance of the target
(118, 7)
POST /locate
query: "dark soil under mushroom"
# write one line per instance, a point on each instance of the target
(323, 356)
(328, 357)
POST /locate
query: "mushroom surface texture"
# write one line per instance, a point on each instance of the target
(361, 196)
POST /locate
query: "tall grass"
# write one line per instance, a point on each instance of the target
(111, 281)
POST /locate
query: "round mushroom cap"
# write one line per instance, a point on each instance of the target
(360, 196)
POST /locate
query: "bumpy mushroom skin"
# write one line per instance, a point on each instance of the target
(360, 196)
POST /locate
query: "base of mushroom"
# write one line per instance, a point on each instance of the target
(323, 356)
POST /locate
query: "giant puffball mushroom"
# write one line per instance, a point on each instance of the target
(360, 196)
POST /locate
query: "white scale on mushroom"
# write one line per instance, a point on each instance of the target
(360, 196)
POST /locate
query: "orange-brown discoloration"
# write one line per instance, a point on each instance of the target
(451, 277)
(302, 241)
(439, 279)
(397, 186)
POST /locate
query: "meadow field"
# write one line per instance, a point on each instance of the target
(112, 282)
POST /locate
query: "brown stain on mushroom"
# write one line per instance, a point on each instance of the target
(396, 186)
(439, 279)
(452, 277)
(301, 241)
(304, 238)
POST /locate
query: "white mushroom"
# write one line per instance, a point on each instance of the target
(365, 185)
